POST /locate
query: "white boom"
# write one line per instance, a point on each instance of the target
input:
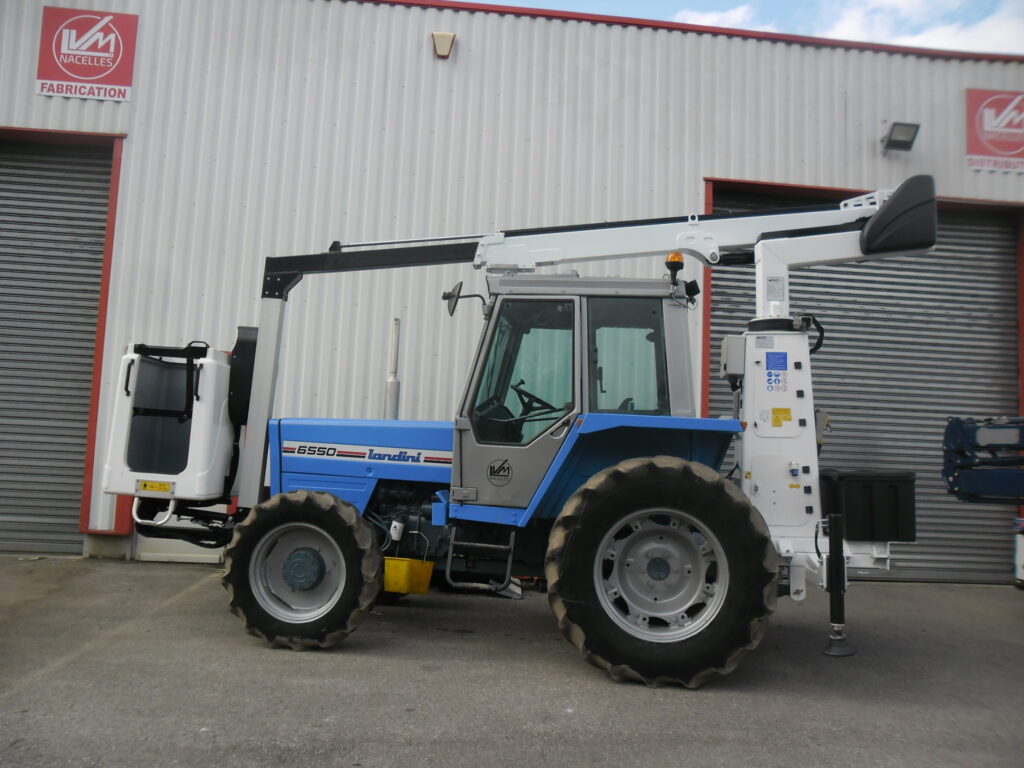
(704, 238)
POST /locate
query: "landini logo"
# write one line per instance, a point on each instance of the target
(995, 130)
(86, 54)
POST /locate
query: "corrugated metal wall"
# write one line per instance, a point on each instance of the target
(53, 217)
(909, 343)
(263, 127)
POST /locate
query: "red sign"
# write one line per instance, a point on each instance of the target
(86, 54)
(995, 130)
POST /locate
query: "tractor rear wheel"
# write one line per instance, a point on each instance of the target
(661, 571)
(302, 570)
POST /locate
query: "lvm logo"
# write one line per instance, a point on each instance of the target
(88, 46)
(499, 472)
(1008, 118)
(1000, 124)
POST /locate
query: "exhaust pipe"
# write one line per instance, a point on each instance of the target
(392, 387)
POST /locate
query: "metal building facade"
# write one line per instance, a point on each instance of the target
(272, 127)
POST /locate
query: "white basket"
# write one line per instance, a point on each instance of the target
(157, 449)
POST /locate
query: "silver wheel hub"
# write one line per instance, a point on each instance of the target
(661, 575)
(303, 569)
(297, 572)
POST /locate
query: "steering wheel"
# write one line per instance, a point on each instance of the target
(530, 402)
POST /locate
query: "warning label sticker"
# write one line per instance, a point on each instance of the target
(776, 381)
(780, 416)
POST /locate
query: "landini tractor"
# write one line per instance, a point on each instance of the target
(577, 454)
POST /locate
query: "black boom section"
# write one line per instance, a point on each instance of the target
(907, 221)
(282, 273)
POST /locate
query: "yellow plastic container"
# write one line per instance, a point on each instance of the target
(406, 575)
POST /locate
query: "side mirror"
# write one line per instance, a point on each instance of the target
(452, 297)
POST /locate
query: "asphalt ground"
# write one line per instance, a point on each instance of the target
(109, 663)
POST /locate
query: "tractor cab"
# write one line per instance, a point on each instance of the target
(563, 358)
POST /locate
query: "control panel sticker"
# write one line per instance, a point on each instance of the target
(780, 416)
(776, 361)
(776, 381)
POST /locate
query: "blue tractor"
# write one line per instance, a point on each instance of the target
(576, 455)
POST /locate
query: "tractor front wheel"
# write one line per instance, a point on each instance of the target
(302, 570)
(661, 571)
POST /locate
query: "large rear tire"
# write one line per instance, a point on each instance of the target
(661, 571)
(302, 570)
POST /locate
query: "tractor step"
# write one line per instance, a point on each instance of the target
(486, 550)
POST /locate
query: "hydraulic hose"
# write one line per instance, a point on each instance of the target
(821, 334)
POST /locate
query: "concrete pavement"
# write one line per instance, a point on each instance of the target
(107, 663)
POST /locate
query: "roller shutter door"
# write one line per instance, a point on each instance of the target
(53, 213)
(910, 342)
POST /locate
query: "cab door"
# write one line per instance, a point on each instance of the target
(521, 402)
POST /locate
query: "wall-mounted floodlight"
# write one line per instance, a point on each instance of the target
(900, 137)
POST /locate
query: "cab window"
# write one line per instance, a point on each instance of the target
(626, 351)
(527, 381)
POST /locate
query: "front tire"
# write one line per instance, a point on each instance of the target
(302, 570)
(661, 571)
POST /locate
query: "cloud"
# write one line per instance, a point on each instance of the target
(740, 17)
(927, 24)
(1002, 32)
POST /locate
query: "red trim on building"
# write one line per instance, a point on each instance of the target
(122, 517)
(123, 512)
(829, 194)
(1020, 325)
(707, 289)
(782, 190)
(626, 21)
(69, 138)
(1020, 320)
(980, 204)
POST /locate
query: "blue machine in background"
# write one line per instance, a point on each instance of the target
(983, 461)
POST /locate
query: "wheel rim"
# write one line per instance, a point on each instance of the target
(297, 572)
(661, 575)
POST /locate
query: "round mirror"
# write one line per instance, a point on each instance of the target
(452, 297)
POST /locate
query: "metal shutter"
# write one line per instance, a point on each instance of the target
(53, 213)
(908, 343)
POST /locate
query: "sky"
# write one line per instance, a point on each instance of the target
(981, 26)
